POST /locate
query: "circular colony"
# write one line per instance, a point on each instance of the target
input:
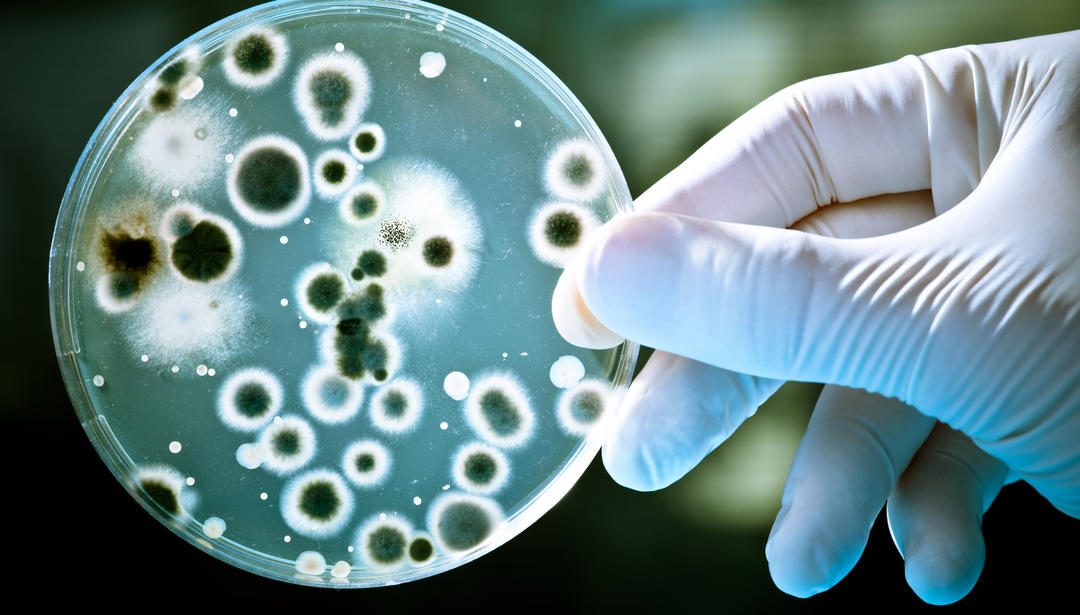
(301, 282)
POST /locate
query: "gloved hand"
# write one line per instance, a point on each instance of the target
(932, 257)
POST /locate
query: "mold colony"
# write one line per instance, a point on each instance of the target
(333, 421)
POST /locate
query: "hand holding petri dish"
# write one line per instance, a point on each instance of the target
(301, 290)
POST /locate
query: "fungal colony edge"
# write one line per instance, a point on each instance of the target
(302, 289)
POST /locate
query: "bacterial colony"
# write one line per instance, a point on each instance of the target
(293, 310)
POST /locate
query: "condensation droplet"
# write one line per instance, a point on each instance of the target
(214, 527)
(566, 371)
(456, 385)
(432, 64)
(190, 87)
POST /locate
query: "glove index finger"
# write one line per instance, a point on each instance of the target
(826, 140)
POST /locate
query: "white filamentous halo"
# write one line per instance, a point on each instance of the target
(314, 400)
(564, 407)
(374, 523)
(255, 81)
(355, 72)
(324, 188)
(284, 464)
(168, 477)
(461, 477)
(511, 387)
(236, 242)
(306, 277)
(184, 208)
(305, 524)
(546, 251)
(106, 301)
(371, 188)
(561, 186)
(489, 507)
(372, 477)
(294, 208)
(380, 142)
(410, 417)
(226, 401)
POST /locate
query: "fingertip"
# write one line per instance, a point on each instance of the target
(628, 468)
(573, 320)
(807, 555)
(625, 276)
(799, 565)
(628, 453)
(944, 568)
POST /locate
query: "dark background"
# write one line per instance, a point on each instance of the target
(659, 77)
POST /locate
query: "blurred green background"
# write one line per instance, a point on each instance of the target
(660, 78)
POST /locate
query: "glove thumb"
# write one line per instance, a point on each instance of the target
(770, 302)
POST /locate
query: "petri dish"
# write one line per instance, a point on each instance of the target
(301, 283)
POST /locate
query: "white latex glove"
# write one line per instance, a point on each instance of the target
(959, 171)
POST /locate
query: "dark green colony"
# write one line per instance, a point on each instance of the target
(254, 54)
(438, 251)
(563, 229)
(269, 179)
(320, 500)
(204, 253)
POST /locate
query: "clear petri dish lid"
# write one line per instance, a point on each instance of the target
(301, 290)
